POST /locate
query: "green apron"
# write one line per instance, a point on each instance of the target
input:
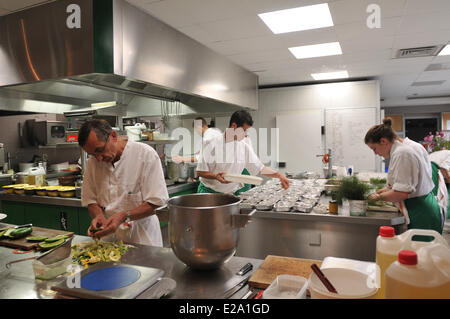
(203, 189)
(424, 213)
(435, 177)
(246, 186)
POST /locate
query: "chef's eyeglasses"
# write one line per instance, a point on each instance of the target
(101, 150)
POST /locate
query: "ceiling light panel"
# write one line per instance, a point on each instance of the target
(316, 50)
(298, 19)
(330, 75)
(445, 50)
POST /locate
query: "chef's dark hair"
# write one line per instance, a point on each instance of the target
(377, 132)
(240, 118)
(101, 128)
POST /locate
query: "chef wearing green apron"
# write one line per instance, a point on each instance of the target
(229, 154)
(409, 181)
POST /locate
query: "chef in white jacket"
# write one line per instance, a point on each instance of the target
(229, 154)
(122, 186)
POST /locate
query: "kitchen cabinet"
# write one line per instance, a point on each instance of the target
(15, 212)
(47, 216)
(53, 217)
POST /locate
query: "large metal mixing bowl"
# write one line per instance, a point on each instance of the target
(204, 228)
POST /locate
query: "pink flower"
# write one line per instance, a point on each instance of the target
(426, 138)
(442, 134)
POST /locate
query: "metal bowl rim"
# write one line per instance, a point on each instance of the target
(207, 207)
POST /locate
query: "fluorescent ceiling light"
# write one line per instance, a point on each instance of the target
(445, 50)
(298, 19)
(330, 75)
(316, 50)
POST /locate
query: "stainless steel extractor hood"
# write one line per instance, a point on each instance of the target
(66, 55)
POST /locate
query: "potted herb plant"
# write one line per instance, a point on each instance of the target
(356, 192)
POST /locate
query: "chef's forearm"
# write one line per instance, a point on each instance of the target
(208, 175)
(267, 171)
(392, 196)
(94, 210)
(144, 210)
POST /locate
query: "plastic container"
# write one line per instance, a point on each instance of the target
(286, 287)
(389, 245)
(36, 175)
(422, 275)
(349, 283)
(47, 272)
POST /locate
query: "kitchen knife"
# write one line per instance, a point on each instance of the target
(16, 227)
(230, 292)
(245, 269)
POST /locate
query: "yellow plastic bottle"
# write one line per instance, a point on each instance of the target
(388, 246)
(423, 277)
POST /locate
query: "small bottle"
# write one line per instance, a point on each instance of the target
(333, 207)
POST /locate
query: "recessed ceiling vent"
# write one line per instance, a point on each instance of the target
(418, 52)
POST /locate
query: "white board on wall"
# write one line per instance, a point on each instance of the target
(345, 130)
(300, 140)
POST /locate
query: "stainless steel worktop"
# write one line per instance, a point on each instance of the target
(18, 282)
(315, 236)
(76, 202)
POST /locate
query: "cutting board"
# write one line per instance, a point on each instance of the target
(23, 244)
(277, 265)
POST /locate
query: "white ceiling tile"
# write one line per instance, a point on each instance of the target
(427, 6)
(363, 43)
(428, 22)
(389, 27)
(197, 33)
(419, 39)
(273, 42)
(262, 56)
(347, 11)
(181, 13)
(263, 6)
(434, 76)
(239, 28)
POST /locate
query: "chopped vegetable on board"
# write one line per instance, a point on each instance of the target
(93, 252)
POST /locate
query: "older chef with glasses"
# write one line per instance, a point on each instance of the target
(122, 186)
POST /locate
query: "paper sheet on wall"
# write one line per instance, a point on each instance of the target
(345, 131)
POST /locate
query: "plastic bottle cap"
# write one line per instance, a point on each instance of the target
(407, 257)
(387, 231)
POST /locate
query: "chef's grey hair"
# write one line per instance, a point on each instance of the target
(101, 128)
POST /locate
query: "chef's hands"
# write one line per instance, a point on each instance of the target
(110, 225)
(97, 223)
(220, 178)
(284, 181)
(377, 195)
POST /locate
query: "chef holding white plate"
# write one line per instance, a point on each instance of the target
(228, 154)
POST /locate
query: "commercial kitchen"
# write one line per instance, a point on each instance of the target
(313, 88)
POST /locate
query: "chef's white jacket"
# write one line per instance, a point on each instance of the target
(232, 157)
(135, 178)
(409, 170)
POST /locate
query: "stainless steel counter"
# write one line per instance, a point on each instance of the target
(315, 236)
(18, 282)
(76, 202)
